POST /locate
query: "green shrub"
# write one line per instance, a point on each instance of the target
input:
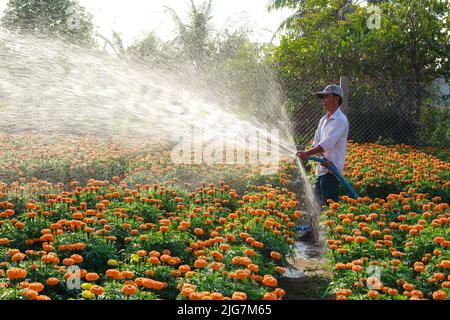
(436, 130)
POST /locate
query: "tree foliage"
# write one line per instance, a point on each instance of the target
(412, 41)
(62, 18)
(411, 45)
(152, 50)
(244, 68)
(391, 67)
(193, 38)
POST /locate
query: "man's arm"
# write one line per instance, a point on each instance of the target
(316, 148)
(305, 154)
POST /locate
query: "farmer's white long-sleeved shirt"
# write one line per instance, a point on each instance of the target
(331, 135)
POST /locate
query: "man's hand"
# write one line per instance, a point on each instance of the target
(302, 155)
(305, 154)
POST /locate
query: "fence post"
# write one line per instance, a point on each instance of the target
(344, 81)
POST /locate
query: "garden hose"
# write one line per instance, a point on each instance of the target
(326, 292)
(333, 168)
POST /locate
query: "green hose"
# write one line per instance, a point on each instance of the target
(333, 168)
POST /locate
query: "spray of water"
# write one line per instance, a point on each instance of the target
(49, 86)
(312, 204)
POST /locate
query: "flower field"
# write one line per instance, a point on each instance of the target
(377, 171)
(396, 248)
(90, 218)
(175, 239)
(395, 245)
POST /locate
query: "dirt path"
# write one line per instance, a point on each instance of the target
(309, 276)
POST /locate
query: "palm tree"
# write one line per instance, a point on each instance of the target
(193, 38)
(152, 50)
(302, 7)
(281, 4)
(116, 44)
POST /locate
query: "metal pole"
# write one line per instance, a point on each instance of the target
(344, 83)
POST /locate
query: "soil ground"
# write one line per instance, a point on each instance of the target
(309, 276)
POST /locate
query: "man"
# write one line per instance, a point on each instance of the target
(330, 141)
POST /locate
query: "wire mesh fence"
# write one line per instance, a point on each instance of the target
(377, 112)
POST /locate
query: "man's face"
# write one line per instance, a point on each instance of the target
(330, 101)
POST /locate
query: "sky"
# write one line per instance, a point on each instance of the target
(134, 18)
